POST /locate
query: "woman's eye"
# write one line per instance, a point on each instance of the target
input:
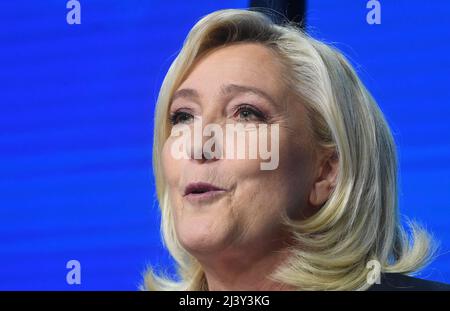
(180, 116)
(248, 113)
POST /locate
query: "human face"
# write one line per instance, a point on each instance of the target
(247, 212)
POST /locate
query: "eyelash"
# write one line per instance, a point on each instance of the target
(174, 117)
(257, 113)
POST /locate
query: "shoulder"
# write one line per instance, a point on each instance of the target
(402, 282)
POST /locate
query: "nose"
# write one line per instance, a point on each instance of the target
(205, 148)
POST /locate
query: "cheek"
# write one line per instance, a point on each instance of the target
(171, 166)
(262, 196)
(270, 192)
(295, 160)
(296, 168)
(172, 169)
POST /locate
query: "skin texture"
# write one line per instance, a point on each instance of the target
(238, 238)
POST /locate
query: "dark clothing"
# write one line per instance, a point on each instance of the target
(401, 282)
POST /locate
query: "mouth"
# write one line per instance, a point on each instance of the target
(200, 191)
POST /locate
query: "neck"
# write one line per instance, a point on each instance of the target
(245, 270)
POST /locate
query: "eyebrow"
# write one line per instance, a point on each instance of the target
(228, 89)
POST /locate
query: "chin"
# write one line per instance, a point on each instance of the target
(201, 238)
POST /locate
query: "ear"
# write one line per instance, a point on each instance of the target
(326, 178)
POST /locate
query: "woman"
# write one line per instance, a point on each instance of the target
(324, 216)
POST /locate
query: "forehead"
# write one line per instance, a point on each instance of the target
(248, 64)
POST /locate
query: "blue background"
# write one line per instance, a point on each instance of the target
(76, 119)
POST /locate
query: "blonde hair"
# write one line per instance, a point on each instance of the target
(360, 221)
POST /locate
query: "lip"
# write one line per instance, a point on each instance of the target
(208, 192)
